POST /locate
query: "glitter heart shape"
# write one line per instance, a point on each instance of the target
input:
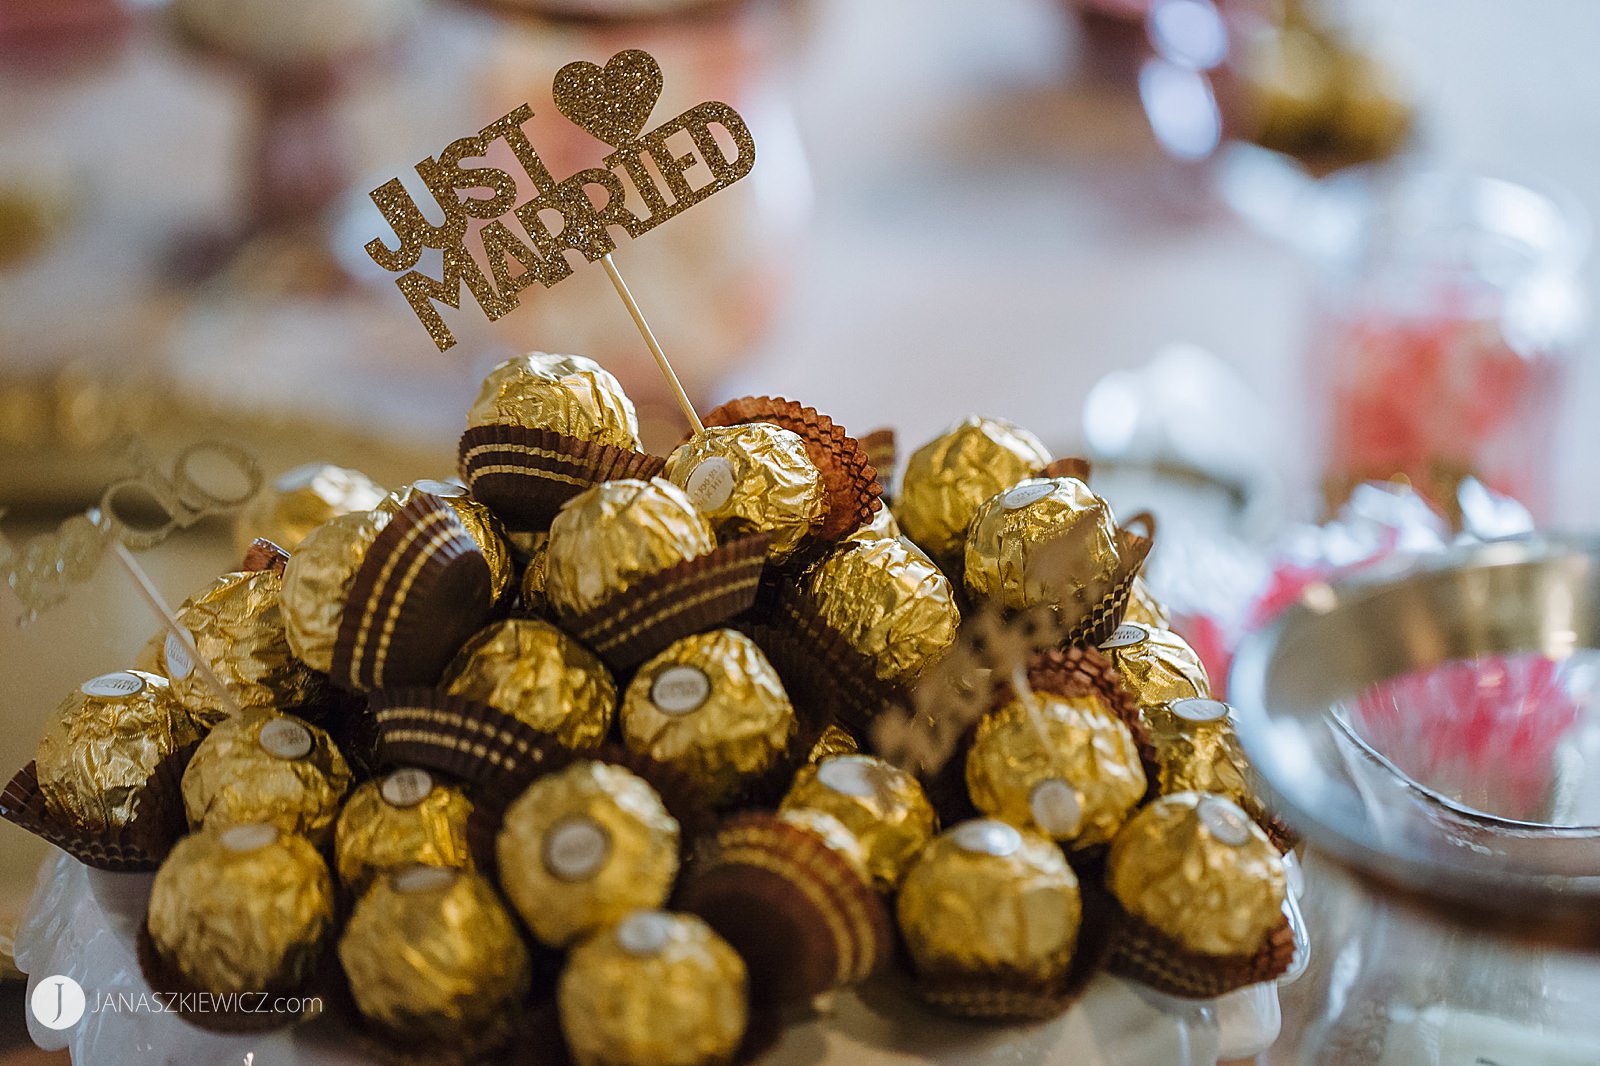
(612, 102)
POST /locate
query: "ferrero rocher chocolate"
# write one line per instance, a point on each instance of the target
(948, 478)
(99, 751)
(242, 908)
(712, 706)
(432, 955)
(317, 581)
(480, 523)
(832, 832)
(533, 671)
(533, 572)
(301, 500)
(405, 818)
(889, 602)
(266, 767)
(1080, 789)
(237, 627)
(610, 536)
(567, 394)
(988, 898)
(1157, 665)
(881, 804)
(1196, 750)
(1144, 609)
(581, 848)
(1195, 867)
(656, 990)
(1045, 542)
(751, 478)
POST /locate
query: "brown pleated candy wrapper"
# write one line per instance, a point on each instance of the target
(423, 589)
(848, 476)
(525, 475)
(1143, 953)
(469, 741)
(178, 992)
(1098, 623)
(801, 917)
(883, 452)
(690, 597)
(1284, 837)
(263, 554)
(157, 823)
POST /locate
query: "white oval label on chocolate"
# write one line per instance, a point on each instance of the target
(1026, 494)
(180, 664)
(1226, 822)
(406, 787)
(985, 836)
(576, 848)
(1125, 636)
(851, 775)
(680, 689)
(644, 932)
(710, 484)
(1055, 808)
(442, 489)
(284, 738)
(423, 879)
(243, 838)
(113, 686)
(1195, 709)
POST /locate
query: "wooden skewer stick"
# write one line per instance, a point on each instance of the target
(654, 346)
(142, 581)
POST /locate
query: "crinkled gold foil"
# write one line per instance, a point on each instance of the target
(567, 394)
(403, 819)
(713, 707)
(835, 740)
(532, 670)
(1145, 609)
(480, 523)
(881, 804)
(582, 847)
(1007, 558)
(260, 767)
(1198, 869)
(1197, 750)
(947, 479)
(657, 990)
(300, 501)
(1161, 668)
(608, 537)
(98, 752)
(882, 527)
(243, 908)
(751, 478)
(431, 954)
(1011, 776)
(889, 602)
(533, 573)
(317, 580)
(832, 832)
(986, 897)
(238, 629)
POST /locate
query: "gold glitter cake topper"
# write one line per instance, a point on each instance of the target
(612, 103)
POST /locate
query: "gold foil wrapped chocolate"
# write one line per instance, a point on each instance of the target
(610, 536)
(947, 479)
(301, 500)
(237, 627)
(832, 832)
(711, 706)
(989, 898)
(1080, 789)
(1045, 542)
(533, 573)
(1196, 750)
(1157, 665)
(882, 526)
(1197, 868)
(751, 478)
(104, 742)
(480, 523)
(405, 818)
(317, 582)
(432, 955)
(242, 908)
(567, 394)
(1144, 609)
(881, 804)
(582, 847)
(536, 673)
(889, 602)
(266, 767)
(657, 990)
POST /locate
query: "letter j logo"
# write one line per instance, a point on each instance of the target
(58, 1002)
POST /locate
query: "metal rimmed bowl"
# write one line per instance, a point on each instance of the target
(1294, 682)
